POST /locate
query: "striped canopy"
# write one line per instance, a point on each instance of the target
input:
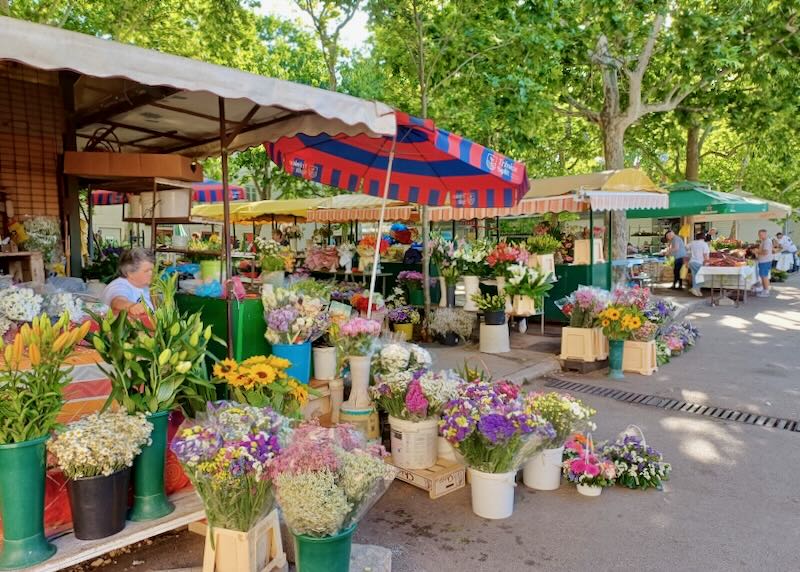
(431, 166)
(100, 197)
(209, 191)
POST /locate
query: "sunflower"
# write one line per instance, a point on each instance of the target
(255, 360)
(278, 362)
(636, 323)
(612, 314)
(298, 392)
(605, 323)
(262, 374)
(227, 369)
(242, 380)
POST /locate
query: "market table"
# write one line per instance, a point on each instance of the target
(785, 261)
(739, 278)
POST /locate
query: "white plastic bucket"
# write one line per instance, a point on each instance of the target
(590, 491)
(147, 206)
(445, 450)
(414, 443)
(472, 285)
(180, 241)
(324, 363)
(492, 493)
(175, 203)
(134, 206)
(543, 471)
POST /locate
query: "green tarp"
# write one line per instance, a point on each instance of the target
(688, 199)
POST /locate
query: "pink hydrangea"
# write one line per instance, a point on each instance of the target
(415, 399)
(361, 326)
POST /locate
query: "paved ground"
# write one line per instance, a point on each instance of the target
(732, 503)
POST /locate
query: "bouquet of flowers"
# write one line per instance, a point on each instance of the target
(344, 291)
(452, 320)
(360, 301)
(659, 311)
(470, 257)
(100, 443)
(543, 244)
(636, 297)
(620, 322)
(327, 479)
(311, 287)
(322, 258)
(503, 256)
(357, 336)
(404, 315)
(583, 306)
(227, 453)
(415, 395)
(525, 281)
(205, 249)
(678, 337)
(401, 357)
(65, 303)
(44, 236)
(262, 381)
(410, 279)
(585, 467)
(441, 252)
(20, 304)
(273, 256)
(565, 413)
(637, 465)
(293, 318)
(366, 246)
(646, 332)
(488, 424)
(292, 231)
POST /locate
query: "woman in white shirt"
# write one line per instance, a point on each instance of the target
(699, 253)
(131, 291)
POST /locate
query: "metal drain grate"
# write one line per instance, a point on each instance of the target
(676, 405)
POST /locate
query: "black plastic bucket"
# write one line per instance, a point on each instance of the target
(495, 318)
(99, 504)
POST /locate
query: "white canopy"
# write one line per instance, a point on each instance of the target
(133, 99)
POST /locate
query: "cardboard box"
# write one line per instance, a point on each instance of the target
(145, 165)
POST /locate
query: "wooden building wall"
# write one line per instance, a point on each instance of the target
(31, 127)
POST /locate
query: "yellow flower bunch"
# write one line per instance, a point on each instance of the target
(620, 321)
(262, 381)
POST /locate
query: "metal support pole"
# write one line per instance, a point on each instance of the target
(497, 228)
(226, 215)
(376, 255)
(89, 229)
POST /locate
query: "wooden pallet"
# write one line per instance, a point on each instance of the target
(583, 367)
(441, 479)
(259, 550)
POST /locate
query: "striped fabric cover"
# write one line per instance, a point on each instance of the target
(568, 203)
(431, 166)
(407, 213)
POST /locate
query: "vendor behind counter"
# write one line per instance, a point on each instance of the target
(131, 291)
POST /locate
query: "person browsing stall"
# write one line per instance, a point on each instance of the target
(676, 249)
(699, 253)
(765, 256)
(131, 291)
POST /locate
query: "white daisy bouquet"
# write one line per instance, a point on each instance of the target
(100, 443)
(64, 302)
(20, 304)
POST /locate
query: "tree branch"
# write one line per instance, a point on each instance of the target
(460, 66)
(580, 110)
(635, 108)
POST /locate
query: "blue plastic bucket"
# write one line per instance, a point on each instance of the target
(300, 357)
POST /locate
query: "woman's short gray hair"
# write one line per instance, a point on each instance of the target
(132, 259)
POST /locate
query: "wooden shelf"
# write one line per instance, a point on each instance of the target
(216, 253)
(71, 551)
(174, 220)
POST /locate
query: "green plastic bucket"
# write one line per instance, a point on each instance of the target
(149, 499)
(328, 554)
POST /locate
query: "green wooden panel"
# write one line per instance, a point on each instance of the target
(569, 278)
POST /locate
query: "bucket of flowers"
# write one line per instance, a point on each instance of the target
(527, 287)
(493, 307)
(360, 302)
(583, 339)
(452, 325)
(638, 466)
(590, 471)
(275, 260)
(403, 320)
(619, 322)
(366, 251)
(470, 259)
(488, 424)
(412, 281)
(357, 338)
(413, 398)
(326, 481)
(500, 260)
(228, 453)
(567, 415)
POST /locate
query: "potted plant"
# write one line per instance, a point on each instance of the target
(590, 472)
(452, 325)
(412, 281)
(500, 260)
(470, 259)
(567, 415)
(32, 381)
(293, 322)
(228, 454)
(263, 381)
(96, 454)
(450, 275)
(403, 319)
(637, 465)
(357, 338)
(154, 365)
(526, 286)
(582, 339)
(542, 248)
(275, 260)
(487, 423)
(413, 398)
(493, 307)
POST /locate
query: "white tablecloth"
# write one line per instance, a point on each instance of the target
(785, 261)
(733, 277)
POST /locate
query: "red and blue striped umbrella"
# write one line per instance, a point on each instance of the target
(210, 191)
(101, 198)
(431, 166)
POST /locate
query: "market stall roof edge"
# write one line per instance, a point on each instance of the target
(688, 198)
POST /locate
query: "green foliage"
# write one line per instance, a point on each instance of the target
(489, 302)
(542, 244)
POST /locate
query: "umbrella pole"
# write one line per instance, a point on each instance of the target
(89, 229)
(376, 255)
(226, 215)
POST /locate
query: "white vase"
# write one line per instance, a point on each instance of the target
(472, 285)
(492, 493)
(443, 290)
(414, 443)
(524, 306)
(359, 383)
(589, 490)
(324, 363)
(501, 288)
(543, 471)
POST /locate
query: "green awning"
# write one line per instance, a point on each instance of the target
(688, 199)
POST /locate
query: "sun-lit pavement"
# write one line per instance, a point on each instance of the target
(732, 503)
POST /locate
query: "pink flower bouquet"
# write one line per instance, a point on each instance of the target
(357, 336)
